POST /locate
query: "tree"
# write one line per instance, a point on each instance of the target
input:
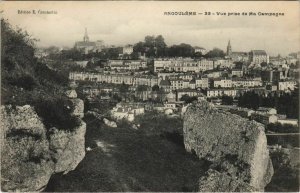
(198, 55)
(155, 88)
(149, 41)
(215, 53)
(160, 46)
(182, 50)
(187, 99)
(152, 46)
(227, 100)
(142, 88)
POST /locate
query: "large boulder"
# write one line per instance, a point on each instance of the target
(236, 148)
(30, 154)
(26, 163)
(78, 107)
(67, 147)
(72, 94)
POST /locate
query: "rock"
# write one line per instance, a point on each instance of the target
(236, 147)
(110, 123)
(135, 127)
(88, 149)
(72, 94)
(222, 182)
(67, 148)
(78, 107)
(168, 111)
(30, 155)
(26, 163)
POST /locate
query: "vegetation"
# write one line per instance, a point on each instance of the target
(215, 53)
(125, 159)
(155, 123)
(56, 113)
(288, 141)
(286, 103)
(282, 128)
(227, 100)
(286, 176)
(25, 80)
(188, 99)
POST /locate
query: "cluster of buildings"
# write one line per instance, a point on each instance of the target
(262, 115)
(129, 110)
(126, 65)
(191, 65)
(212, 84)
(87, 46)
(172, 79)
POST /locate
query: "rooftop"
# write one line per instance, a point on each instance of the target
(259, 52)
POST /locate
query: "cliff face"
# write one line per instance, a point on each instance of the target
(31, 154)
(236, 148)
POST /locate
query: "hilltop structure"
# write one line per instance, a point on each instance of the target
(88, 46)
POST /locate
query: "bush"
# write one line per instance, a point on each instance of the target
(282, 128)
(56, 112)
(286, 177)
(154, 123)
(26, 81)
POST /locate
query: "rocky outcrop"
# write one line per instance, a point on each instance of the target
(31, 153)
(26, 164)
(78, 107)
(67, 148)
(71, 93)
(110, 123)
(235, 147)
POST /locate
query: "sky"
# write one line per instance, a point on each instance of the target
(128, 22)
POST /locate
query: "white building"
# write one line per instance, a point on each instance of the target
(222, 63)
(264, 118)
(221, 92)
(182, 65)
(201, 82)
(201, 50)
(288, 121)
(242, 82)
(237, 72)
(222, 83)
(286, 85)
(127, 49)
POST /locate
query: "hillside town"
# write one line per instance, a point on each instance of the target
(143, 78)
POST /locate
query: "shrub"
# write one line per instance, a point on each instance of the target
(282, 128)
(286, 177)
(56, 112)
(25, 81)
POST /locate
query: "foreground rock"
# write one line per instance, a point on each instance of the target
(110, 123)
(30, 154)
(236, 148)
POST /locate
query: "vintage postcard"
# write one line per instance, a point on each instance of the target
(150, 96)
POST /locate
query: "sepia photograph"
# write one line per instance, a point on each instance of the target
(150, 96)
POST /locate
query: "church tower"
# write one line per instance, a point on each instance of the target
(229, 50)
(86, 37)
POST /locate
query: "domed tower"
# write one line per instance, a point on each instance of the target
(229, 50)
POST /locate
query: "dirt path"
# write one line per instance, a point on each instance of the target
(124, 159)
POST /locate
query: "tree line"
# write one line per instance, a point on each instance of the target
(151, 46)
(284, 103)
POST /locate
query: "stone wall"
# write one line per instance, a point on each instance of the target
(236, 148)
(30, 153)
